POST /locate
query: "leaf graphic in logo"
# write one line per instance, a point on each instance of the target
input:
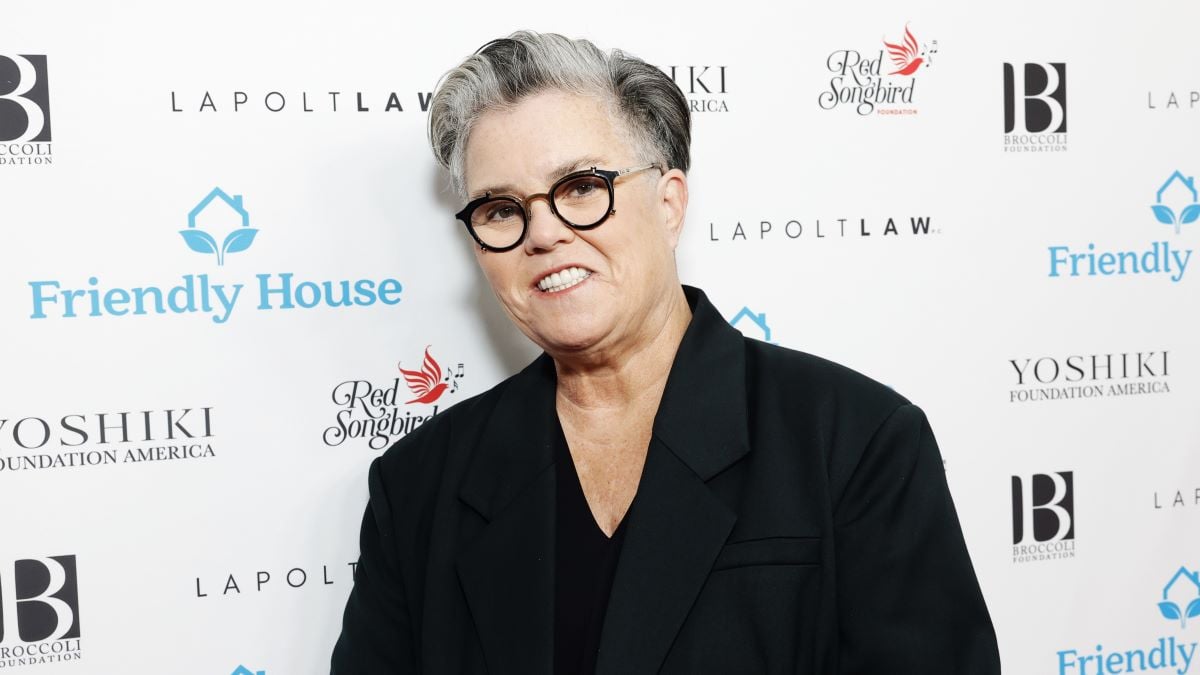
(1169, 610)
(1190, 214)
(1193, 609)
(238, 240)
(1164, 214)
(199, 241)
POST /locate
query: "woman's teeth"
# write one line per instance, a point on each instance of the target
(561, 281)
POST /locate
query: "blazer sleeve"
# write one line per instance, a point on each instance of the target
(908, 597)
(377, 629)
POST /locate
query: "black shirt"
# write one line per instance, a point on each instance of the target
(585, 563)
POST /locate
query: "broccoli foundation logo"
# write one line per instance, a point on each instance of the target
(1181, 191)
(24, 99)
(218, 208)
(1035, 107)
(39, 611)
(24, 110)
(381, 413)
(1181, 597)
(1043, 516)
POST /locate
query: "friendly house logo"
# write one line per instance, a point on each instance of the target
(1175, 204)
(238, 239)
(24, 110)
(39, 611)
(218, 226)
(1169, 653)
(380, 413)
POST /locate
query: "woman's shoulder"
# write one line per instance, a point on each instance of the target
(801, 376)
(426, 448)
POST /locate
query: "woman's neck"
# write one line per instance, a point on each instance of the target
(628, 375)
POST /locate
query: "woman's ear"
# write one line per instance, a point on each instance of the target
(672, 200)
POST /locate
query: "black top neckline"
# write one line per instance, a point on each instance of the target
(585, 566)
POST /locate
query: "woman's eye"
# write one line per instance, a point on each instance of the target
(502, 213)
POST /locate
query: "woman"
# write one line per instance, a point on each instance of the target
(655, 493)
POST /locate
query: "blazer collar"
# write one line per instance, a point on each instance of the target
(702, 416)
(676, 526)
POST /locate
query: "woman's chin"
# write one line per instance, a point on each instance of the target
(570, 338)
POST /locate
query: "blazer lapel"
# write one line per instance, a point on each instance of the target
(677, 523)
(676, 527)
(507, 573)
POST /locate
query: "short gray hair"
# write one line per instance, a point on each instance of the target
(649, 105)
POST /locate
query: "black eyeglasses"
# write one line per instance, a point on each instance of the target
(582, 200)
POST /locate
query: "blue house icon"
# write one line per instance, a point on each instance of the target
(759, 320)
(1165, 214)
(1172, 610)
(243, 670)
(1188, 182)
(203, 242)
(234, 202)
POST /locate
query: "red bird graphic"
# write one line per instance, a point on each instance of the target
(905, 56)
(425, 383)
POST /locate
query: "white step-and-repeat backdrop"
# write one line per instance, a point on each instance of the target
(224, 236)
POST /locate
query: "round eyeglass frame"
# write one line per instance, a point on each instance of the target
(609, 177)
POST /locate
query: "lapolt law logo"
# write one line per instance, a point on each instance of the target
(1179, 601)
(382, 414)
(39, 611)
(218, 226)
(859, 79)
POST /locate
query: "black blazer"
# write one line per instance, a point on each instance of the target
(792, 517)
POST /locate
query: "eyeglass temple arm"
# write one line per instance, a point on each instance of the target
(651, 165)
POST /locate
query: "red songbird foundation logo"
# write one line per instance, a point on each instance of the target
(427, 382)
(905, 55)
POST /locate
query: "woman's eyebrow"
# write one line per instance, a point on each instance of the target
(561, 170)
(572, 166)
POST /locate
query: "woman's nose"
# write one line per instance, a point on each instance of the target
(546, 230)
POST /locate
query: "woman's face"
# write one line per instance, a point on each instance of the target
(628, 259)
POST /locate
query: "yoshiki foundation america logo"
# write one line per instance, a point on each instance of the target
(383, 413)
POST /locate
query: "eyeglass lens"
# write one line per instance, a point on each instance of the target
(582, 201)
